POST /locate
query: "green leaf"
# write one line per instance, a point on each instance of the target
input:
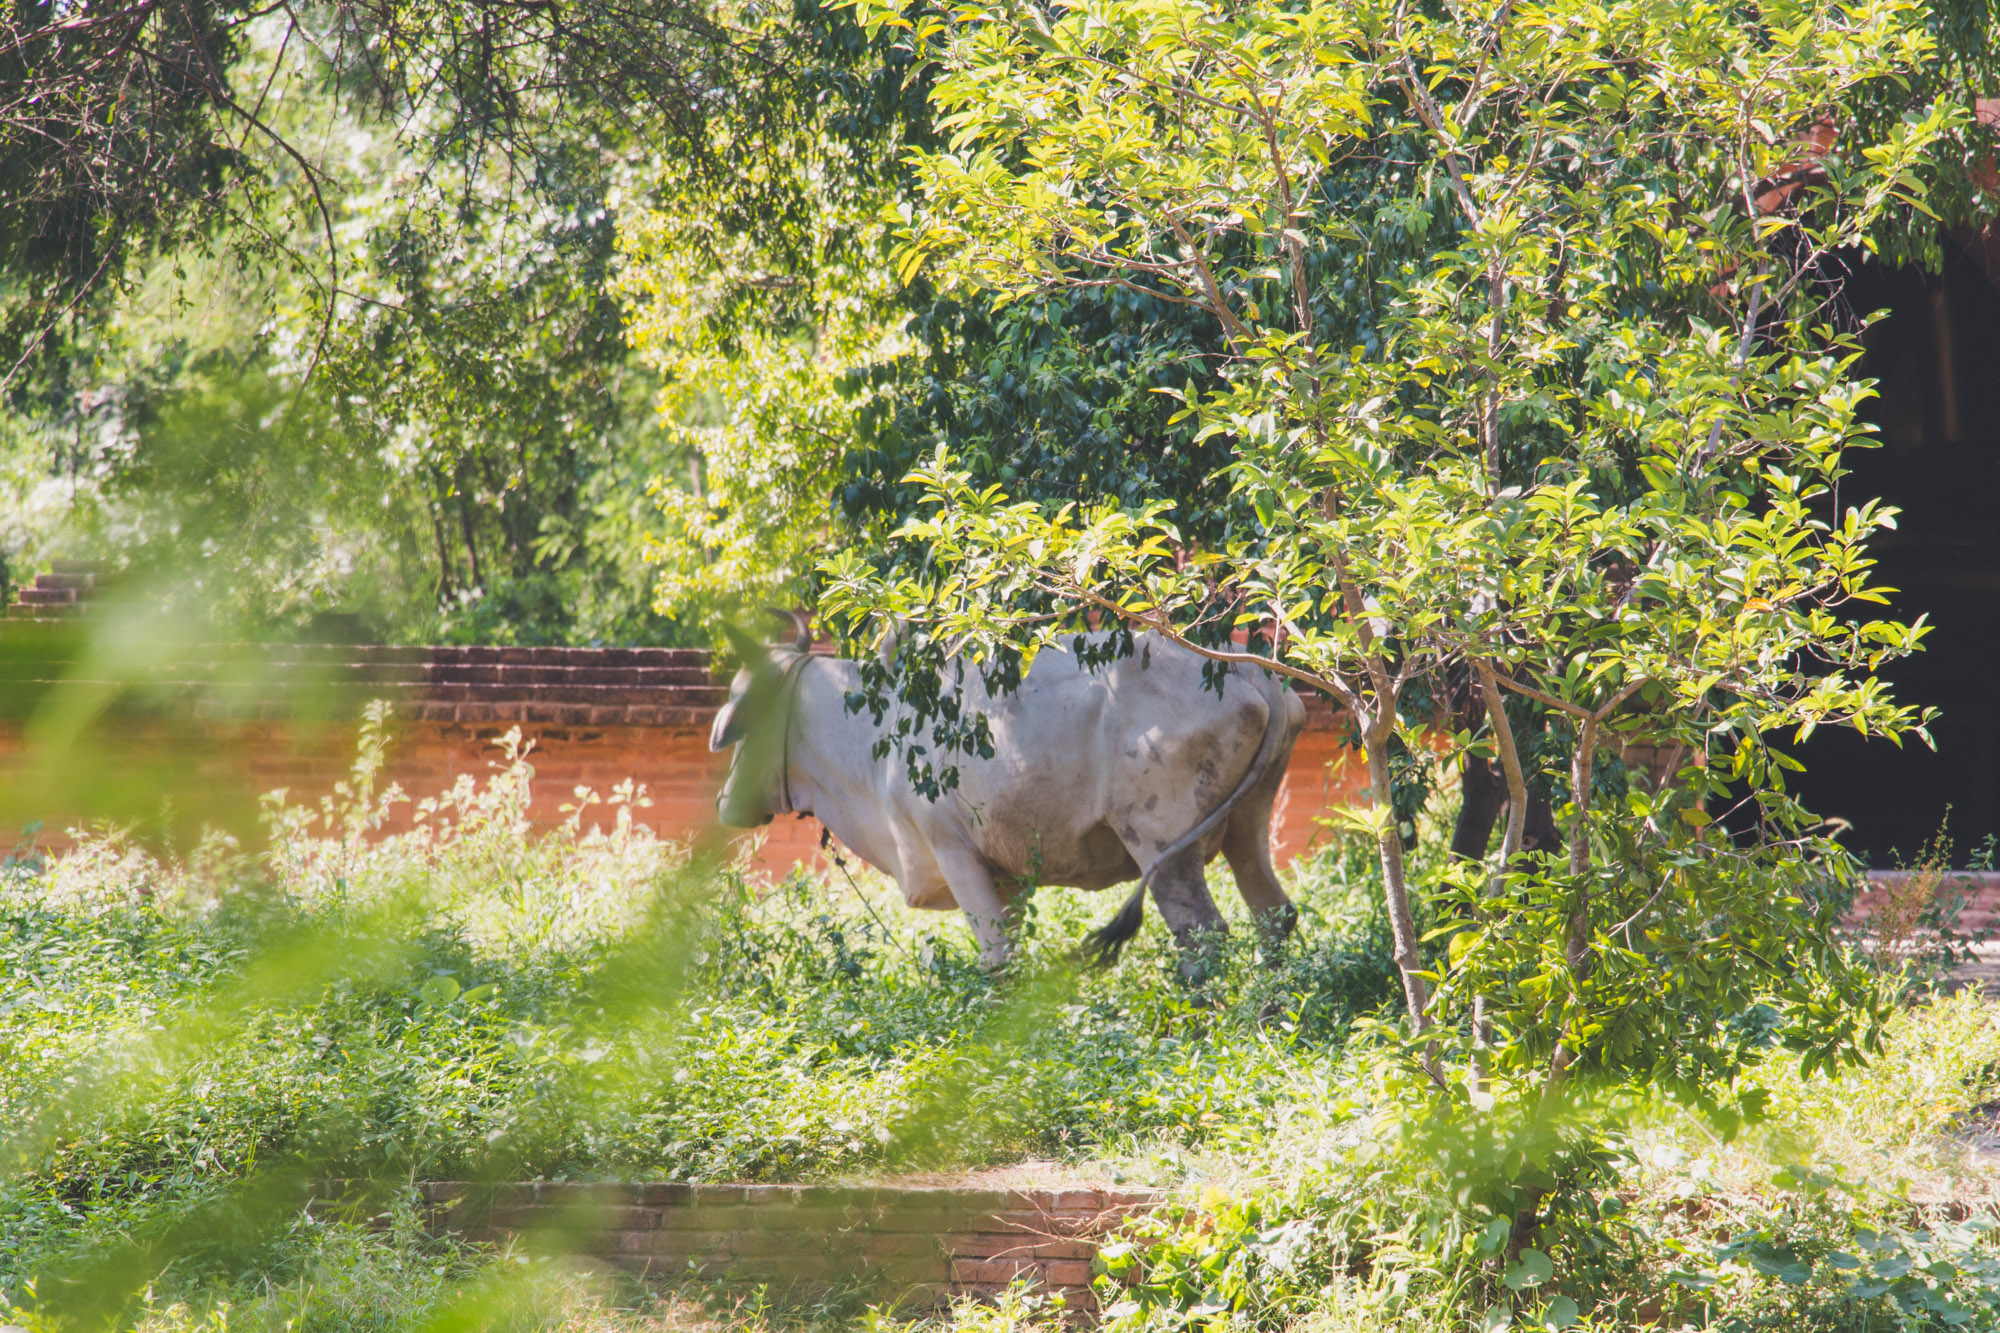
(1531, 1270)
(439, 990)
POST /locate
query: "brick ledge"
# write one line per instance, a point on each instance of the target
(482, 686)
(922, 1244)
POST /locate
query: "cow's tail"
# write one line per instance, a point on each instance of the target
(1103, 945)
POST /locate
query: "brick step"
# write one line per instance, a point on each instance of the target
(501, 679)
(581, 657)
(38, 596)
(692, 696)
(80, 566)
(45, 611)
(74, 582)
(454, 674)
(417, 665)
(478, 655)
(483, 712)
(924, 1242)
(708, 695)
(1969, 920)
(684, 696)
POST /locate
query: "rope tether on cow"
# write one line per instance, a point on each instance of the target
(1104, 944)
(789, 684)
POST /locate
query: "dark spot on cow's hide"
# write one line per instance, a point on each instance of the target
(1153, 800)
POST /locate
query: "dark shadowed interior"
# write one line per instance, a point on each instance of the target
(1937, 359)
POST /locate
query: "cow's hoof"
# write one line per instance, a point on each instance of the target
(1196, 971)
(1274, 935)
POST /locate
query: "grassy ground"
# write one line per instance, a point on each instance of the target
(187, 1042)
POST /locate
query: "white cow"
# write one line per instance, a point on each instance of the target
(1134, 769)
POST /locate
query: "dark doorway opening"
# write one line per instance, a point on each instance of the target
(1937, 359)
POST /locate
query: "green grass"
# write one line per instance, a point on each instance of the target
(470, 1000)
(800, 1034)
(188, 1043)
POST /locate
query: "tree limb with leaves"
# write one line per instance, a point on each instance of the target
(1591, 454)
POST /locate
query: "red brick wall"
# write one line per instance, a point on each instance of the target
(214, 731)
(223, 727)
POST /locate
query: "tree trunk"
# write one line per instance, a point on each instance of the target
(1541, 834)
(1512, 782)
(1581, 766)
(1576, 949)
(1483, 799)
(471, 542)
(447, 580)
(1402, 923)
(1482, 795)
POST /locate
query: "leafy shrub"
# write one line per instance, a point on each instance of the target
(187, 1046)
(1913, 925)
(470, 998)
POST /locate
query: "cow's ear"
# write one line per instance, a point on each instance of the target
(730, 723)
(726, 731)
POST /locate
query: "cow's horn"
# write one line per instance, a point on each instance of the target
(801, 627)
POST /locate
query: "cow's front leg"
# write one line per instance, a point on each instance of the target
(971, 885)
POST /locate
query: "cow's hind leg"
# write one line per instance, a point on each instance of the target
(1180, 889)
(1246, 843)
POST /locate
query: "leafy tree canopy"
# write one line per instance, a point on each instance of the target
(128, 126)
(381, 368)
(1529, 358)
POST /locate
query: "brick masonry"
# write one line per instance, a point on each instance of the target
(911, 1245)
(61, 592)
(225, 725)
(216, 728)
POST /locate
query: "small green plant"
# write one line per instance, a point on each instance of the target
(1829, 1255)
(1912, 925)
(1260, 1260)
